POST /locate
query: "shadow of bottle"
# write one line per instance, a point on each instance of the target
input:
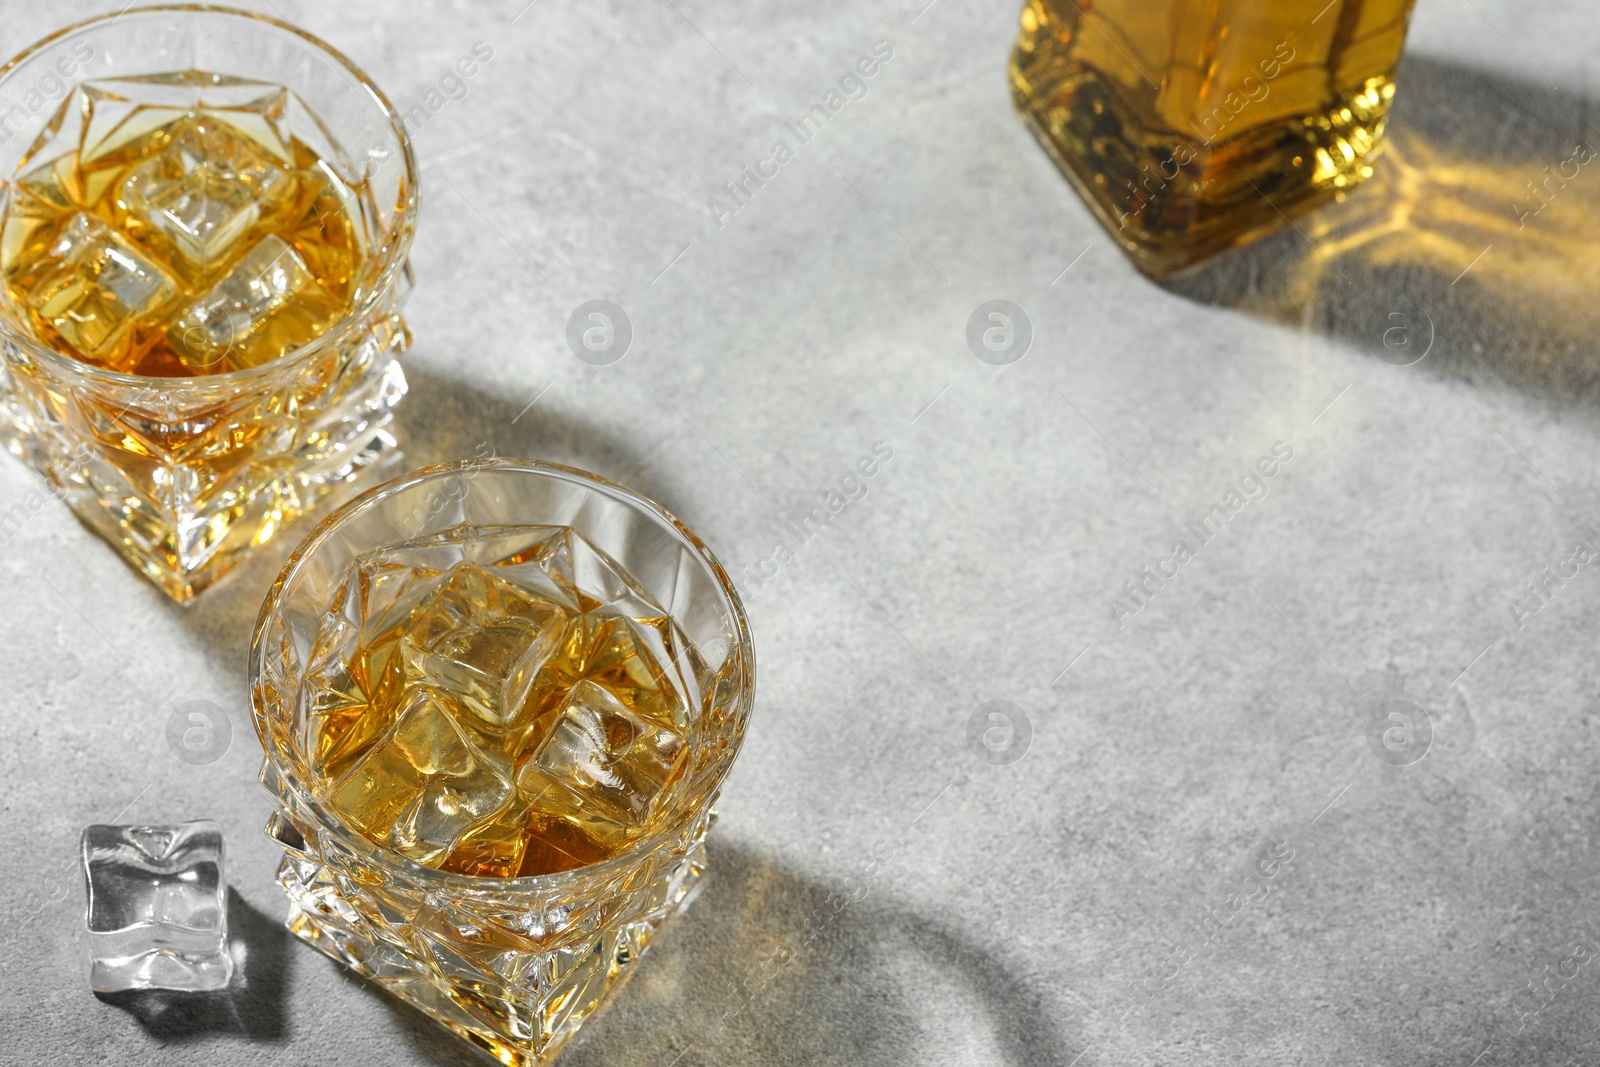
(1475, 247)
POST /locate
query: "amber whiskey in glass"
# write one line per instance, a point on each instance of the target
(1193, 126)
(498, 701)
(204, 223)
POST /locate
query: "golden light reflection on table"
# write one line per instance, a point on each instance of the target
(1484, 214)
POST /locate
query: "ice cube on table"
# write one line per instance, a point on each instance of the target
(232, 318)
(205, 190)
(602, 766)
(101, 286)
(157, 912)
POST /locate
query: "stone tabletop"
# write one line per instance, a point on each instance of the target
(1025, 783)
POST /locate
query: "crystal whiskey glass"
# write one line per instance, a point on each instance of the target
(1191, 127)
(206, 217)
(490, 807)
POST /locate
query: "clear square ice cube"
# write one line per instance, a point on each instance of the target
(424, 785)
(602, 765)
(228, 317)
(101, 286)
(481, 640)
(204, 191)
(157, 911)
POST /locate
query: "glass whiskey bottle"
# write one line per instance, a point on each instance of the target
(1193, 126)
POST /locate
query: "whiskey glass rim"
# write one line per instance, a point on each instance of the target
(396, 245)
(415, 872)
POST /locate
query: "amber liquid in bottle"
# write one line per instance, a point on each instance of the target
(1191, 126)
(179, 225)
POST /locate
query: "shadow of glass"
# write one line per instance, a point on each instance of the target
(446, 419)
(1476, 244)
(441, 419)
(253, 1004)
(765, 967)
(769, 968)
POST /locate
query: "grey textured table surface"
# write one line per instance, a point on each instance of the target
(1050, 911)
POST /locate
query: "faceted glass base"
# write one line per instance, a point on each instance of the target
(515, 979)
(184, 476)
